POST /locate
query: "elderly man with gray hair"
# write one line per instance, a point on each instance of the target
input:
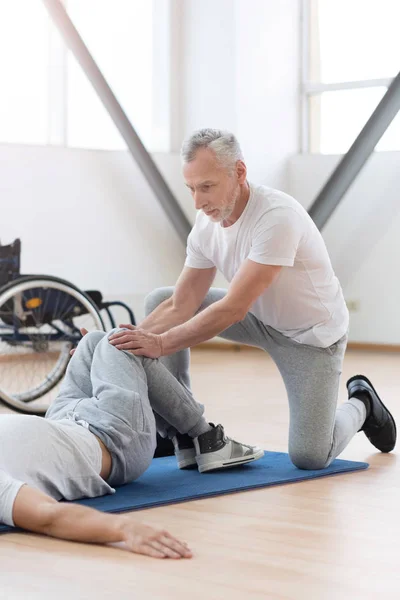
(283, 297)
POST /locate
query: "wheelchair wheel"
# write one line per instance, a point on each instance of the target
(40, 321)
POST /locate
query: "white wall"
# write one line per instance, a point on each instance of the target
(267, 86)
(90, 217)
(241, 72)
(363, 239)
(209, 64)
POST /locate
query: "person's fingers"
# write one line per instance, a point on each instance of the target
(129, 335)
(149, 551)
(71, 352)
(134, 340)
(120, 339)
(181, 547)
(125, 329)
(175, 545)
(122, 334)
(128, 345)
(160, 547)
(117, 335)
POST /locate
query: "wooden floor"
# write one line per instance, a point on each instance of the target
(329, 539)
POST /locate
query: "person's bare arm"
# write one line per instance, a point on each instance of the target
(35, 511)
(249, 283)
(190, 291)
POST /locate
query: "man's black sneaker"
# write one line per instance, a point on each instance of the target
(379, 426)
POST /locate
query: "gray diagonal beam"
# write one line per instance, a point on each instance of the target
(347, 170)
(121, 121)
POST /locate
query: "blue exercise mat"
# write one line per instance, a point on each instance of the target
(164, 483)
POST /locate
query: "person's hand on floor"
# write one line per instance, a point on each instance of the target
(83, 332)
(38, 512)
(157, 543)
(137, 341)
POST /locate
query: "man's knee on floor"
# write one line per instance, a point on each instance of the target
(155, 298)
(308, 460)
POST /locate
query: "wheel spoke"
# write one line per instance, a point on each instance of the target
(31, 370)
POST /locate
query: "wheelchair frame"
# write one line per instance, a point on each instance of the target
(19, 311)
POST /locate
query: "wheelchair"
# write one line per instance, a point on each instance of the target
(40, 321)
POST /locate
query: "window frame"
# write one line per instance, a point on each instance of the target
(169, 28)
(311, 88)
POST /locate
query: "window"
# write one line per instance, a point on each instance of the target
(351, 54)
(24, 58)
(47, 98)
(120, 39)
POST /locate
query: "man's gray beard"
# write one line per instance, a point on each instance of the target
(228, 210)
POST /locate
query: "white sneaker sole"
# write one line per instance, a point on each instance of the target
(228, 463)
(187, 464)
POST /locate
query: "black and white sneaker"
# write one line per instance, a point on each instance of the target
(184, 451)
(379, 426)
(216, 451)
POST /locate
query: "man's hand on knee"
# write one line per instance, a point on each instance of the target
(128, 326)
(137, 341)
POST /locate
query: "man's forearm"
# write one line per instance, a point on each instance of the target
(204, 326)
(164, 317)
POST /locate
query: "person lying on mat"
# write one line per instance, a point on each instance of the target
(100, 432)
(283, 297)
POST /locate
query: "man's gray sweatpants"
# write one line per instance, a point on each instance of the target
(319, 431)
(124, 399)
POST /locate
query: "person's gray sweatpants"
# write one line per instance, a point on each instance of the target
(318, 430)
(116, 393)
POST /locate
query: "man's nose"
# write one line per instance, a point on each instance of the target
(199, 200)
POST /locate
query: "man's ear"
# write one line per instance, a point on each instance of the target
(241, 171)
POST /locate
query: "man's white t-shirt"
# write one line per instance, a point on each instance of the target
(305, 302)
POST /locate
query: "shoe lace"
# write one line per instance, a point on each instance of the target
(228, 439)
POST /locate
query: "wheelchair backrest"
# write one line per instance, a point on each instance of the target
(10, 261)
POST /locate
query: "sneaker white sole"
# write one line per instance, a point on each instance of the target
(187, 464)
(228, 463)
